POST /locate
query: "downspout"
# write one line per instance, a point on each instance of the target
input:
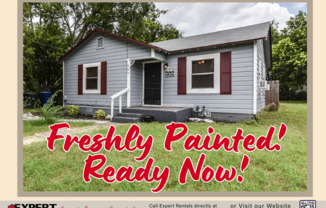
(63, 83)
(129, 64)
(255, 79)
(128, 82)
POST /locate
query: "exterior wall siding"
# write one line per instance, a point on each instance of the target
(136, 84)
(241, 99)
(261, 75)
(115, 52)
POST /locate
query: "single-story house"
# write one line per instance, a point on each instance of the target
(224, 71)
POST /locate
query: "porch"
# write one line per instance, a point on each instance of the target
(158, 113)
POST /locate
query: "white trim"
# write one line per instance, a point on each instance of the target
(216, 89)
(255, 79)
(63, 83)
(162, 74)
(98, 90)
(143, 88)
(128, 81)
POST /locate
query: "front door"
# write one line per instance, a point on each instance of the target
(152, 83)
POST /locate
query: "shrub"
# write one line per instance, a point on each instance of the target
(252, 122)
(100, 114)
(302, 96)
(37, 103)
(72, 110)
(293, 95)
(271, 107)
(50, 111)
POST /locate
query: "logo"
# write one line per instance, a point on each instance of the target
(307, 204)
(32, 205)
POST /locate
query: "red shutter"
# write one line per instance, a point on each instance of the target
(182, 76)
(225, 69)
(103, 77)
(80, 79)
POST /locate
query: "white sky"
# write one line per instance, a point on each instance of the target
(204, 17)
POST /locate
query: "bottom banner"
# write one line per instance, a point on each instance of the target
(164, 204)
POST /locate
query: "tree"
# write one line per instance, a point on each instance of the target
(50, 29)
(43, 45)
(290, 54)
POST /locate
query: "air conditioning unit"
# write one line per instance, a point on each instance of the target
(263, 84)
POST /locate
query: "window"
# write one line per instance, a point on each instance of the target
(100, 42)
(203, 73)
(92, 78)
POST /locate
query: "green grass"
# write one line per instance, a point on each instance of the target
(30, 127)
(286, 170)
(33, 110)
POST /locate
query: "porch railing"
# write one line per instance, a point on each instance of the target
(119, 95)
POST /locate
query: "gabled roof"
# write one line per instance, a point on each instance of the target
(236, 35)
(208, 40)
(112, 35)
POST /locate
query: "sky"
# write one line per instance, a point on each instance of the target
(203, 17)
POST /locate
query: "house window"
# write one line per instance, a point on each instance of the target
(203, 73)
(100, 42)
(92, 78)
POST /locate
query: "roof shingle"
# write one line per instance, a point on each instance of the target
(252, 32)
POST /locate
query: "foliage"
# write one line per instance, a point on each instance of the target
(290, 54)
(50, 110)
(72, 110)
(26, 103)
(37, 103)
(294, 95)
(50, 29)
(100, 114)
(271, 107)
(251, 122)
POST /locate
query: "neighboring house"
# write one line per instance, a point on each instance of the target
(224, 71)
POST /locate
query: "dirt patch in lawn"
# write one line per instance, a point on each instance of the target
(41, 136)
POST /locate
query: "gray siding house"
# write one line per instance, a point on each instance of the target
(224, 71)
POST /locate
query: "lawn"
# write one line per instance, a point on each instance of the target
(30, 127)
(285, 170)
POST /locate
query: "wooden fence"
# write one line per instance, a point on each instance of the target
(272, 95)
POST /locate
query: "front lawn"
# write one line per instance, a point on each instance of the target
(286, 170)
(30, 127)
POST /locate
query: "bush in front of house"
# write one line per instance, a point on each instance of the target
(50, 111)
(100, 114)
(72, 110)
(271, 107)
(292, 95)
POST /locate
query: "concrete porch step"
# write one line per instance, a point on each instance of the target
(131, 115)
(125, 119)
(128, 117)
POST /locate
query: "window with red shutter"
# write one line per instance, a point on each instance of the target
(225, 73)
(92, 78)
(203, 73)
